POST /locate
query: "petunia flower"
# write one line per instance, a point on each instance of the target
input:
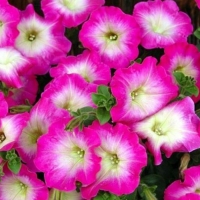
(198, 3)
(9, 19)
(122, 160)
(10, 129)
(42, 40)
(70, 92)
(114, 35)
(72, 13)
(182, 57)
(187, 189)
(12, 65)
(161, 23)
(67, 157)
(175, 128)
(3, 106)
(140, 90)
(22, 186)
(87, 64)
(42, 115)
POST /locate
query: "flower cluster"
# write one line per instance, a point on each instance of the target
(99, 124)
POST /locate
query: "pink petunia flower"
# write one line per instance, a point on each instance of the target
(140, 91)
(67, 157)
(72, 13)
(187, 189)
(87, 64)
(114, 35)
(70, 92)
(161, 23)
(122, 160)
(42, 40)
(9, 19)
(182, 57)
(22, 186)
(12, 65)
(10, 129)
(198, 3)
(175, 128)
(42, 115)
(3, 106)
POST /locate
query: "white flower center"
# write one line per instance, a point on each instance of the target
(80, 152)
(158, 130)
(112, 36)
(32, 36)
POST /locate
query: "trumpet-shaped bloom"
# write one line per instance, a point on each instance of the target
(187, 189)
(175, 128)
(42, 115)
(41, 39)
(182, 57)
(9, 19)
(22, 186)
(72, 13)
(12, 65)
(140, 91)
(113, 34)
(66, 157)
(122, 160)
(70, 92)
(3, 106)
(10, 129)
(87, 64)
(161, 23)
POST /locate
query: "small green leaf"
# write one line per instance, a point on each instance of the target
(102, 89)
(98, 98)
(14, 165)
(3, 155)
(197, 33)
(102, 115)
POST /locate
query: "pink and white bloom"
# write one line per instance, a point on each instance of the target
(88, 65)
(66, 157)
(3, 106)
(122, 160)
(42, 40)
(182, 57)
(12, 65)
(9, 19)
(22, 186)
(175, 128)
(70, 92)
(72, 13)
(140, 91)
(10, 129)
(112, 34)
(161, 23)
(42, 115)
(187, 189)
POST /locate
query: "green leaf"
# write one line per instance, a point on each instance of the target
(98, 98)
(3, 155)
(14, 165)
(197, 33)
(105, 90)
(102, 115)
(106, 196)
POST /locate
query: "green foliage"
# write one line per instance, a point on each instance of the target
(197, 33)
(186, 84)
(12, 160)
